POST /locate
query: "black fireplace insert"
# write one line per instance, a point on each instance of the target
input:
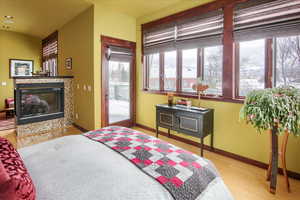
(36, 102)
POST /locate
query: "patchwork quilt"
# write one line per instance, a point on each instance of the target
(184, 174)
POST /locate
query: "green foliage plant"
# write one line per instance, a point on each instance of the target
(273, 107)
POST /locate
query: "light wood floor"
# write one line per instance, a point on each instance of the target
(246, 182)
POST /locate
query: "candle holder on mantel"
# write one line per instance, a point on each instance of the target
(200, 88)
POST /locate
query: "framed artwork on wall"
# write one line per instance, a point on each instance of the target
(68, 64)
(18, 67)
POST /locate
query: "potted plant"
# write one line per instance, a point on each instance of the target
(276, 110)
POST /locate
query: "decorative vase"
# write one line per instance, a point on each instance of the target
(170, 98)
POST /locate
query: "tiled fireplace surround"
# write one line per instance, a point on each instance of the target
(38, 131)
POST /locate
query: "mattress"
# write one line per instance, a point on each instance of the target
(75, 167)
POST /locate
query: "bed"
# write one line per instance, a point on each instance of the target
(97, 166)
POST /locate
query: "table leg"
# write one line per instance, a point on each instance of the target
(212, 141)
(202, 141)
(274, 167)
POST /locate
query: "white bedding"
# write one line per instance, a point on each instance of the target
(77, 168)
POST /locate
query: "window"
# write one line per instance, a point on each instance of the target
(235, 48)
(153, 64)
(251, 66)
(170, 60)
(50, 53)
(212, 69)
(189, 69)
(287, 55)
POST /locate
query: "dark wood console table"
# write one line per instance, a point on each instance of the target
(190, 121)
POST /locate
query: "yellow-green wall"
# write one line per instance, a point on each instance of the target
(80, 40)
(114, 24)
(18, 46)
(230, 134)
(75, 40)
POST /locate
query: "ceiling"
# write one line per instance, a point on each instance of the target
(41, 17)
(138, 8)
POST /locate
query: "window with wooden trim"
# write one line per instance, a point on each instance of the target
(235, 46)
(181, 69)
(287, 61)
(190, 71)
(213, 69)
(186, 53)
(170, 70)
(50, 54)
(152, 61)
(263, 45)
(250, 61)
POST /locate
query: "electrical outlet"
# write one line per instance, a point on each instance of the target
(76, 116)
(3, 83)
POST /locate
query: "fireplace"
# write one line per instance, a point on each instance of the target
(36, 102)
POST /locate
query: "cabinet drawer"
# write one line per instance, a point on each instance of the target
(189, 123)
(165, 118)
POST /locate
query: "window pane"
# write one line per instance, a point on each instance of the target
(170, 70)
(213, 69)
(153, 63)
(252, 66)
(189, 69)
(119, 91)
(288, 61)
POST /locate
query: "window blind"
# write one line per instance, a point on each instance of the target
(266, 19)
(50, 49)
(159, 39)
(116, 53)
(50, 46)
(199, 31)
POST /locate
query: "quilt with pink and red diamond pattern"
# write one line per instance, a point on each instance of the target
(184, 174)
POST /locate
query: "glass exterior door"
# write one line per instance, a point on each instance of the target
(119, 91)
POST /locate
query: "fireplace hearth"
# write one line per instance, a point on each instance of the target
(36, 102)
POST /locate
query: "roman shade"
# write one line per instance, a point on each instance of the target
(50, 47)
(116, 53)
(266, 19)
(201, 31)
(198, 31)
(160, 38)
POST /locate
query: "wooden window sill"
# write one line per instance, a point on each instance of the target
(195, 96)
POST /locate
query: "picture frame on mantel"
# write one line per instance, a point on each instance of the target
(20, 67)
(68, 63)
